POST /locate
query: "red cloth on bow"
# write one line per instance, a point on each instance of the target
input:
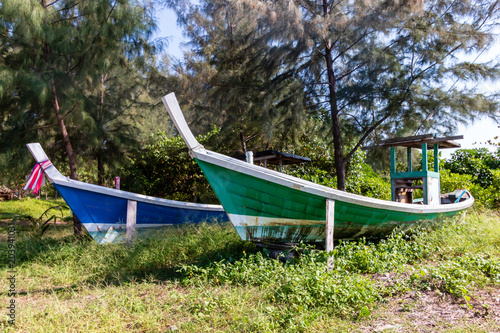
(37, 178)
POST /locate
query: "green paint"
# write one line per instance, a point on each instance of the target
(436, 157)
(415, 174)
(408, 157)
(424, 157)
(250, 196)
(393, 159)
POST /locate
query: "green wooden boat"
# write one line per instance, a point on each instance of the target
(271, 207)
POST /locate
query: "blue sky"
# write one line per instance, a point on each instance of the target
(475, 134)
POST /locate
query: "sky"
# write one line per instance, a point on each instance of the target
(475, 134)
(167, 27)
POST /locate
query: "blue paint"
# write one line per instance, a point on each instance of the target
(93, 207)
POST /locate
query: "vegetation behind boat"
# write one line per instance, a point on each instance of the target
(167, 162)
(165, 169)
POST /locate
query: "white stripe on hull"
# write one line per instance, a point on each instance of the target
(105, 226)
(246, 220)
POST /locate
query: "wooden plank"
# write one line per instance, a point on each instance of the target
(446, 142)
(177, 117)
(264, 158)
(249, 157)
(436, 157)
(408, 138)
(393, 159)
(131, 220)
(330, 224)
(425, 167)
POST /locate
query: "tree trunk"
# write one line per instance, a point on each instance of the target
(77, 225)
(334, 112)
(243, 142)
(100, 170)
(100, 161)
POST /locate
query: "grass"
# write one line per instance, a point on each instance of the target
(35, 208)
(203, 278)
(29, 206)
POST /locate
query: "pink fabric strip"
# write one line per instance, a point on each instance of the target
(37, 178)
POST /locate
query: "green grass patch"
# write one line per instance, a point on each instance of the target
(30, 206)
(203, 278)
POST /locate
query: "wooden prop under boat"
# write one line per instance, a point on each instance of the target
(270, 207)
(103, 211)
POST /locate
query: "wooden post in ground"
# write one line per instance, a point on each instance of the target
(131, 219)
(330, 222)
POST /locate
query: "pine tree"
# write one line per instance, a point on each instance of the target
(368, 68)
(387, 66)
(234, 76)
(54, 55)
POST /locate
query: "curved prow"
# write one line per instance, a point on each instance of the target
(39, 155)
(174, 110)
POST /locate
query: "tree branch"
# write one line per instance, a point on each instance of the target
(92, 44)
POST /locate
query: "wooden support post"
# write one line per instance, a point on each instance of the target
(408, 156)
(249, 157)
(131, 220)
(393, 159)
(425, 167)
(330, 223)
(436, 157)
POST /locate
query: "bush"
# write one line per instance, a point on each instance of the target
(477, 170)
(478, 163)
(165, 169)
(360, 177)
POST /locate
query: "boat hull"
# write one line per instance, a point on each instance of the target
(263, 211)
(269, 206)
(104, 216)
(103, 210)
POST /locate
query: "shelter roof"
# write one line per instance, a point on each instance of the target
(275, 157)
(418, 140)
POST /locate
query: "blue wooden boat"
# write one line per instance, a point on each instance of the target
(103, 211)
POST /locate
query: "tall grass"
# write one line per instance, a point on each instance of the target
(198, 278)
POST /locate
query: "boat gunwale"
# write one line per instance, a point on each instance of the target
(55, 177)
(320, 190)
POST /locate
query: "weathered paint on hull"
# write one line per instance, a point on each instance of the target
(262, 211)
(119, 234)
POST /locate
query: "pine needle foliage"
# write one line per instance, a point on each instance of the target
(72, 73)
(367, 69)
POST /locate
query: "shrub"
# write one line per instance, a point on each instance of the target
(478, 163)
(477, 170)
(165, 169)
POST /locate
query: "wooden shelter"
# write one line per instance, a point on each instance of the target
(275, 157)
(404, 183)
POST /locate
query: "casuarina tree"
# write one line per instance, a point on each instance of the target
(54, 55)
(373, 68)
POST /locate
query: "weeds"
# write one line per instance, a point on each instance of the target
(30, 206)
(38, 226)
(459, 276)
(198, 278)
(352, 286)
